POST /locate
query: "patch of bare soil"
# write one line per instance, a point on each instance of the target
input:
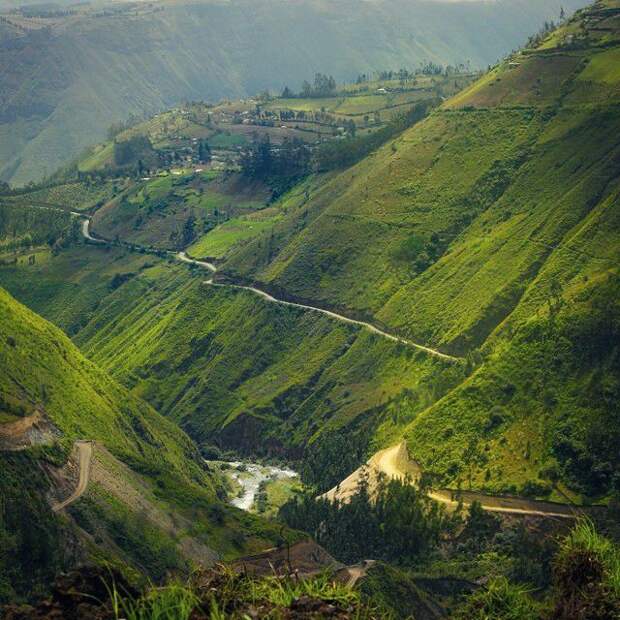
(395, 463)
(65, 479)
(131, 489)
(304, 558)
(26, 432)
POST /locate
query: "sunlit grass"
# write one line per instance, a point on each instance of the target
(584, 537)
(172, 602)
(226, 594)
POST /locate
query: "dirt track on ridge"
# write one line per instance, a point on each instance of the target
(85, 455)
(394, 462)
(183, 257)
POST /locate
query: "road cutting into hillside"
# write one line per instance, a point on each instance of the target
(394, 463)
(85, 455)
(182, 256)
(185, 258)
(86, 229)
(338, 317)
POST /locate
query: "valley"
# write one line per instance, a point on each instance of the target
(71, 72)
(349, 351)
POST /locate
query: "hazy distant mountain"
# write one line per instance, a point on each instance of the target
(68, 73)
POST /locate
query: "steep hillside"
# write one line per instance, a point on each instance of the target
(489, 230)
(66, 78)
(466, 189)
(232, 368)
(149, 504)
(24, 228)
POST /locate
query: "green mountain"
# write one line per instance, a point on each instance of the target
(485, 232)
(408, 285)
(68, 74)
(149, 504)
(488, 231)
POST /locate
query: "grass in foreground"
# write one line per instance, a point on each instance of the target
(586, 573)
(223, 594)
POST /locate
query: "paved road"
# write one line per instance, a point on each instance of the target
(85, 455)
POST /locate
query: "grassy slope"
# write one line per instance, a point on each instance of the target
(65, 87)
(67, 288)
(155, 212)
(225, 363)
(71, 196)
(508, 194)
(24, 228)
(41, 368)
(512, 206)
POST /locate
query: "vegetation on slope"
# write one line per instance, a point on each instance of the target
(228, 364)
(488, 231)
(32, 542)
(66, 82)
(485, 230)
(186, 182)
(27, 228)
(69, 195)
(398, 523)
(171, 211)
(585, 585)
(217, 594)
(152, 466)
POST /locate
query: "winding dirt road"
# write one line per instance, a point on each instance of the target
(86, 229)
(339, 317)
(395, 463)
(183, 257)
(85, 455)
(392, 462)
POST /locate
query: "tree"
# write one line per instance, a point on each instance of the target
(204, 151)
(470, 456)
(188, 231)
(393, 521)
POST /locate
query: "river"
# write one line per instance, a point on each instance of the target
(249, 477)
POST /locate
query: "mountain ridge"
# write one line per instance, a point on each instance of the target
(174, 51)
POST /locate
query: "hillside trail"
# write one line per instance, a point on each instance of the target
(185, 258)
(394, 463)
(357, 572)
(85, 455)
(338, 317)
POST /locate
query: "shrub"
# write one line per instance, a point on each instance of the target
(500, 600)
(586, 557)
